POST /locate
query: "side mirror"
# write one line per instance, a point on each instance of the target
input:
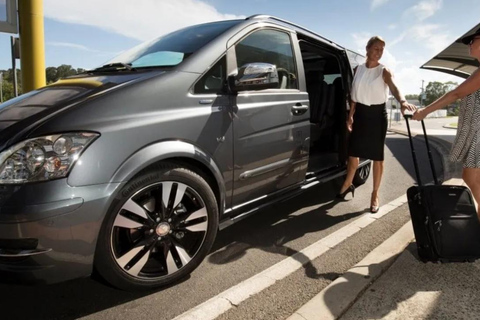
(254, 76)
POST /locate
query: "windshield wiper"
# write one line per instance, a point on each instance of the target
(116, 66)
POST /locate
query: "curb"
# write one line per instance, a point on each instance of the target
(336, 299)
(234, 296)
(333, 301)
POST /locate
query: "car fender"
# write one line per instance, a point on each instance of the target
(167, 150)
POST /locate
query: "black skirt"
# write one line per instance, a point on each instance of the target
(367, 139)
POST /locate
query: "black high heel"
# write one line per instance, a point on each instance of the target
(344, 193)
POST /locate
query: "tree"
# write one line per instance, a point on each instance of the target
(411, 96)
(435, 90)
(65, 70)
(51, 74)
(7, 84)
(7, 90)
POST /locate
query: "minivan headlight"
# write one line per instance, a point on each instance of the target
(43, 158)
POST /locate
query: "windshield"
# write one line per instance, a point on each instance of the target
(173, 48)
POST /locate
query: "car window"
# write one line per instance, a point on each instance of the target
(355, 58)
(270, 46)
(214, 80)
(173, 48)
(329, 78)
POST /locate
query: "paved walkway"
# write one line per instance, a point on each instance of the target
(391, 283)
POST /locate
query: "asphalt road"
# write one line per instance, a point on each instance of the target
(243, 250)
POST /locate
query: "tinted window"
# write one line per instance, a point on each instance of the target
(214, 80)
(270, 46)
(173, 48)
(355, 58)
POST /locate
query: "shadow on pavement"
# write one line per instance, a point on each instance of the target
(274, 228)
(411, 289)
(400, 148)
(68, 300)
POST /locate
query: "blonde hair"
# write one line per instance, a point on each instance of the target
(373, 40)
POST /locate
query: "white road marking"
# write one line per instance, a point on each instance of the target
(340, 294)
(233, 296)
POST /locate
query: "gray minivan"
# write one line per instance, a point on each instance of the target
(130, 169)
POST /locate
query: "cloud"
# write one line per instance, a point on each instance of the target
(431, 36)
(80, 47)
(423, 10)
(71, 45)
(140, 19)
(409, 78)
(360, 40)
(398, 39)
(377, 3)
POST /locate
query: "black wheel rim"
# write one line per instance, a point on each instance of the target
(364, 172)
(159, 230)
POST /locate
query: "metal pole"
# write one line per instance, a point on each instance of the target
(14, 67)
(32, 46)
(391, 108)
(1, 87)
(421, 95)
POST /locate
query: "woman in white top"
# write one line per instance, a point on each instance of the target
(367, 120)
(466, 147)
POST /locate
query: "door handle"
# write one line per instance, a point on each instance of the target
(299, 109)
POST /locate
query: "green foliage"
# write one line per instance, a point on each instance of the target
(7, 84)
(52, 74)
(436, 89)
(452, 110)
(65, 70)
(412, 97)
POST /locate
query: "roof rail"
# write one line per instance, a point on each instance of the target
(258, 16)
(266, 16)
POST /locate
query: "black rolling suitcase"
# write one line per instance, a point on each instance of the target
(444, 217)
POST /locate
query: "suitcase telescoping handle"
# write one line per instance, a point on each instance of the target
(415, 162)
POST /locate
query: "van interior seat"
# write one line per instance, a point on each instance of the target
(328, 109)
(317, 90)
(338, 96)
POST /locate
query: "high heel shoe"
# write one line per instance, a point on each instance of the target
(374, 208)
(344, 193)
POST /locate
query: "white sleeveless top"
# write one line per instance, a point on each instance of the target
(368, 86)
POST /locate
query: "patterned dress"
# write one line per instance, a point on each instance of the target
(466, 147)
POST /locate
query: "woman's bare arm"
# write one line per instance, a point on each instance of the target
(388, 78)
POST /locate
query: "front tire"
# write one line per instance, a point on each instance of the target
(158, 230)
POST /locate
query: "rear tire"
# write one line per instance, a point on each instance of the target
(361, 175)
(159, 228)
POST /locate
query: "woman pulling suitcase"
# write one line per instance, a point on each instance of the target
(466, 147)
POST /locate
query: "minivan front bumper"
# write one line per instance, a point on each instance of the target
(49, 230)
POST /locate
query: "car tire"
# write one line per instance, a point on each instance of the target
(159, 228)
(361, 175)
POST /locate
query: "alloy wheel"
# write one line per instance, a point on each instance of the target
(159, 230)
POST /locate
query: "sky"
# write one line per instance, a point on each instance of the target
(87, 33)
